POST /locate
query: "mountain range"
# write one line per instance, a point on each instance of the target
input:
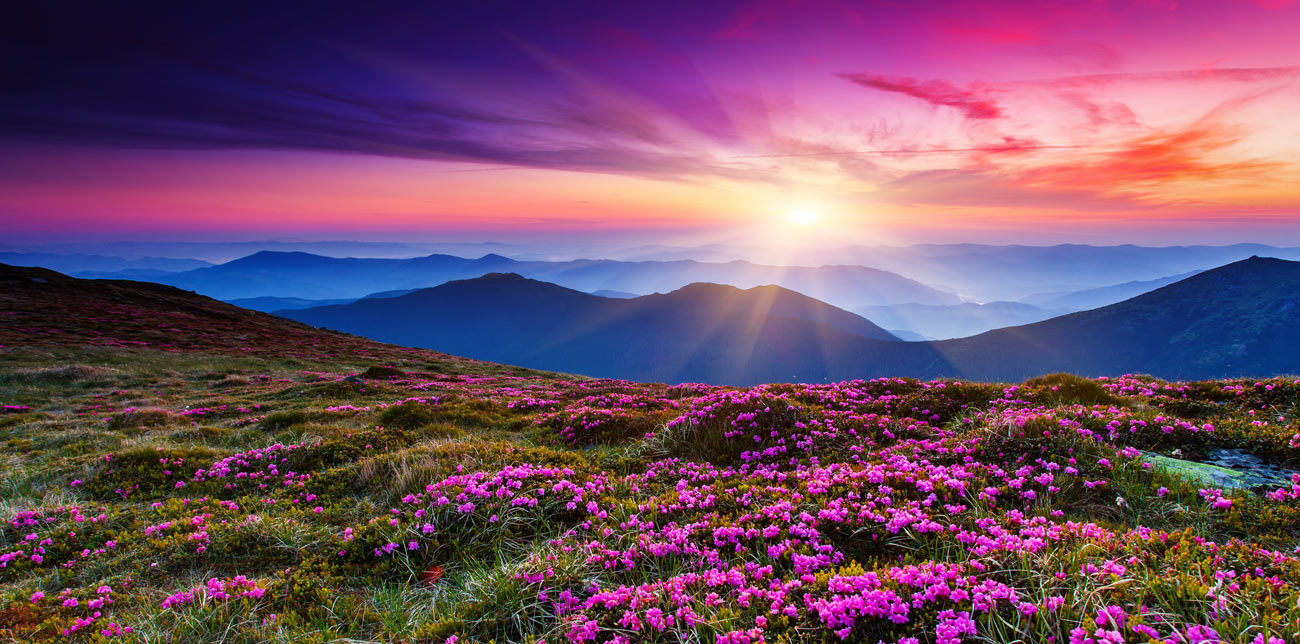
(1238, 319)
(303, 275)
(1103, 295)
(1066, 277)
(81, 264)
(985, 273)
(701, 332)
(939, 321)
(1234, 320)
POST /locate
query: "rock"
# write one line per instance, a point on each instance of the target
(378, 372)
(1228, 468)
(354, 379)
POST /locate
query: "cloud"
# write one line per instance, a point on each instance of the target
(215, 107)
(1274, 5)
(1144, 163)
(1020, 34)
(1150, 171)
(1234, 74)
(1098, 112)
(936, 92)
(990, 188)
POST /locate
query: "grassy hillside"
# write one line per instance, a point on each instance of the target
(170, 486)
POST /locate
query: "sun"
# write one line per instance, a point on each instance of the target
(803, 217)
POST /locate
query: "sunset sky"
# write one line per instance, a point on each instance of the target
(1157, 122)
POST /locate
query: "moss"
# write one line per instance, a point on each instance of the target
(138, 418)
(283, 419)
(148, 472)
(408, 415)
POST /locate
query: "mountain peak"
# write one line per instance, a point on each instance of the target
(695, 288)
(274, 257)
(500, 277)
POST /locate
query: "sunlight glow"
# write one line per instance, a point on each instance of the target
(803, 217)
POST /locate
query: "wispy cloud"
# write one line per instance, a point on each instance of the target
(1191, 154)
(972, 103)
(239, 110)
(1208, 73)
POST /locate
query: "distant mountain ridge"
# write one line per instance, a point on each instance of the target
(1235, 320)
(986, 273)
(79, 264)
(939, 321)
(307, 276)
(1102, 296)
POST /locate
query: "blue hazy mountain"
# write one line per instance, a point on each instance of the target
(941, 321)
(270, 304)
(1102, 296)
(987, 273)
(83, 265)
(307, 276)
(707, 332)
(1238, 319)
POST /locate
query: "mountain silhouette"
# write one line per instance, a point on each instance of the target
(1235, 320)
(705, 332)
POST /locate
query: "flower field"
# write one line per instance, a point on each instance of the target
(181, 496)
(256, 480)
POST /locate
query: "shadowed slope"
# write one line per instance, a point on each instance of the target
(705, 332)
(1235, 320)
(39, 307)
(1239, 319)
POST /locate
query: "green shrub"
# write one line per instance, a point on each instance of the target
(1069, 389)
(137, 418)
(283, 419)
(408, 415)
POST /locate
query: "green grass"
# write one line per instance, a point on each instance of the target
(117, 436)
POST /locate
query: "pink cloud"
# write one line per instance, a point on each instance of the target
(1234, 74)
(1146, 161)
(1275, 5)
(935, 92)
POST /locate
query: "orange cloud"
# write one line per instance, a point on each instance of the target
(1141, 166)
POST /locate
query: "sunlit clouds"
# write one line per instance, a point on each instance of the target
(1030, 121)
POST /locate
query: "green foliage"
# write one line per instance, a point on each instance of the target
(283, 419)
(140, 418)
(408, 415)
(1069, 389)
(326, 494)
(146, 472)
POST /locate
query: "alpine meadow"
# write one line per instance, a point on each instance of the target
(734, 322)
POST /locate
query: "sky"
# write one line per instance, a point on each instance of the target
(770, 122)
